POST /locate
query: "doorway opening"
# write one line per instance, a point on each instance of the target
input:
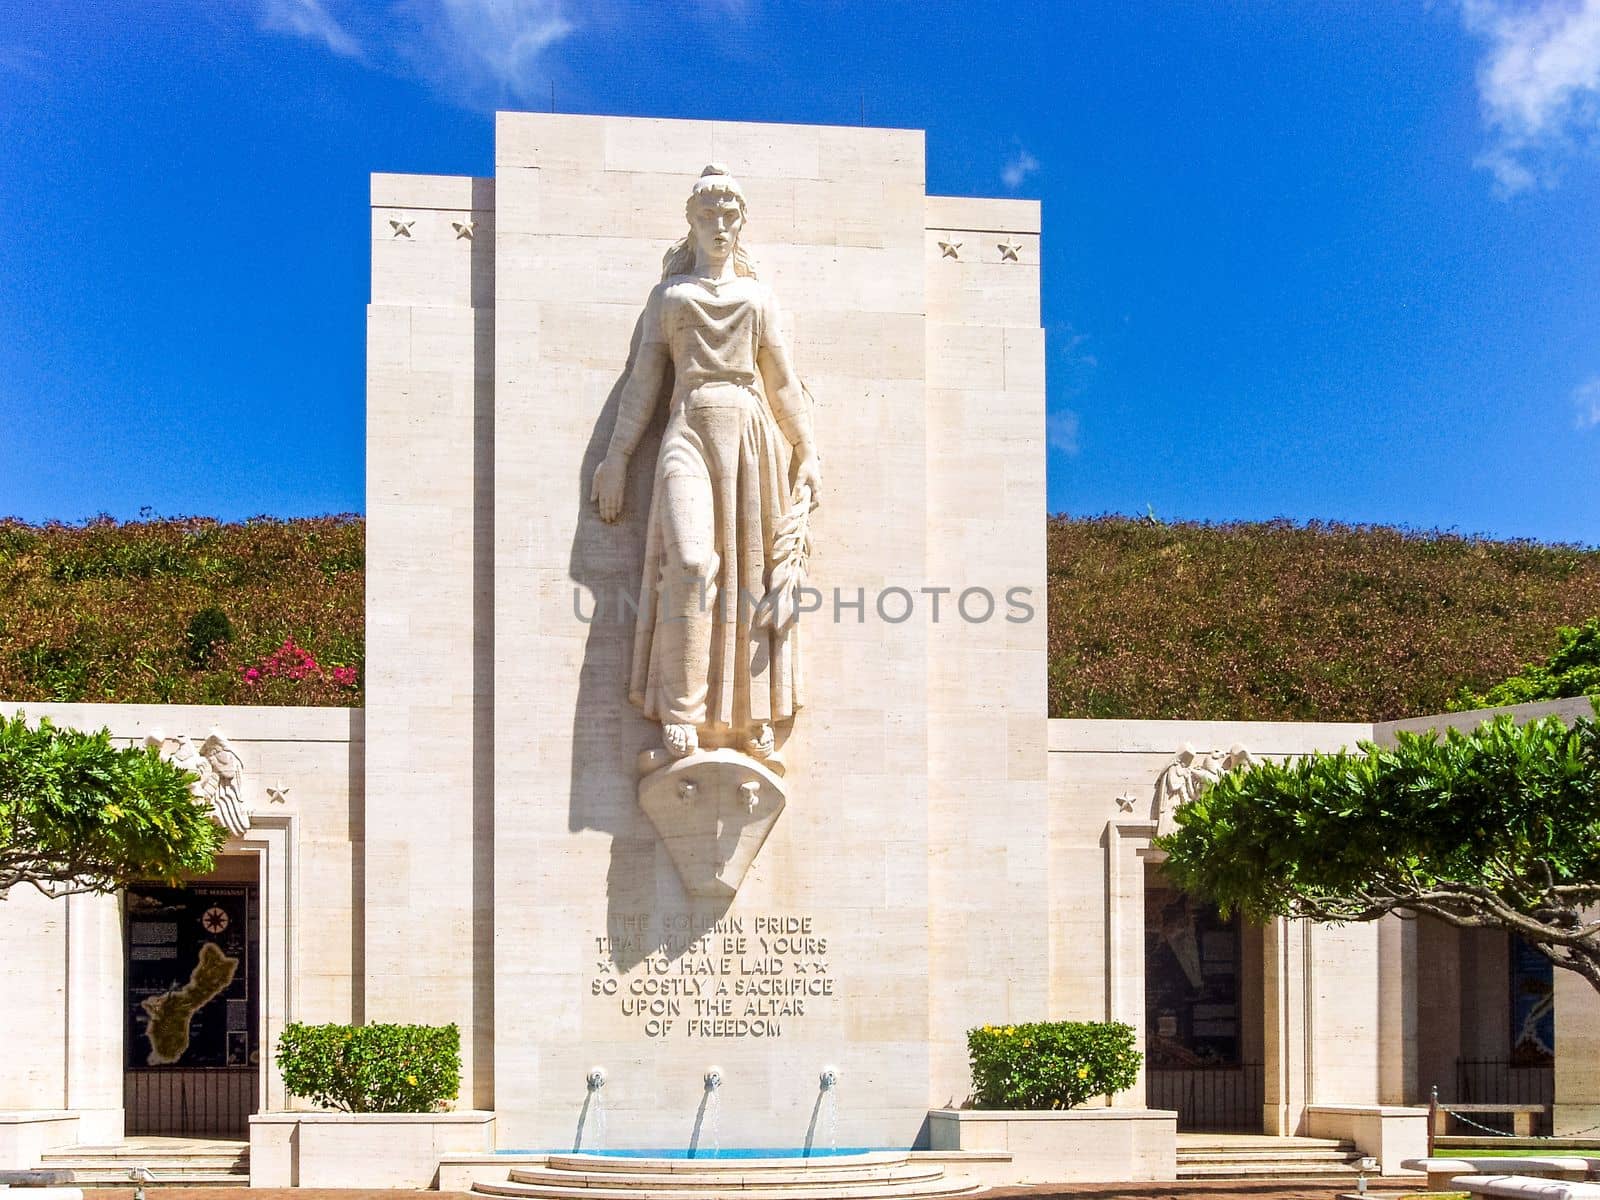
(1202, 988)
(192, 1058)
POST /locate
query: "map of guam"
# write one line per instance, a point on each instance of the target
(169, 1014)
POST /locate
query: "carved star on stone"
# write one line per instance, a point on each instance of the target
(949, 248)
(1009, 251)
(279, 794)
(402, 229)
(464, 229)
(1125, 803)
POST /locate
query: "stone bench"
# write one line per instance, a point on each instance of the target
(36, 1178)
(1441, 1171)
(1522, 1115)
(40, 1184)
(1524, 1187)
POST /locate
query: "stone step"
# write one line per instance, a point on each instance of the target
(795, 1176)
(1248, 1156)
(871, 1160)
(175, 1162)
(104, 1170)
(122, 1183)
(1263, 1146)
(1266, 1170)
(217, 1156)
(700, 1188)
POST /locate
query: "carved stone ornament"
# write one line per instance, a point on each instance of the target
(219, 775)
(716, 651)
(1183, 778)
(713, 811)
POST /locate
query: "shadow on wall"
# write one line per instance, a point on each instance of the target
(482, 285)
(608, 734)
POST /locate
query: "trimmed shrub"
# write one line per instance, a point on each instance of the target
(111, 612)
(1280, 622)
(372, 1068)
(209, 629)
(1050, 1064)
(1573, 669)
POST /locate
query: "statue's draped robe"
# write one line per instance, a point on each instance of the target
(722, 430)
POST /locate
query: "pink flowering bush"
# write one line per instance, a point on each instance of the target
(294, 662)
(183, 611)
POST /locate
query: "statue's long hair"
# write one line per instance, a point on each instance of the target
(680, 259)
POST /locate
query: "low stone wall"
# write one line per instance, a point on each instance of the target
(26, 1133)
(24, 1136)
(1089, 1145)
(369, 1150)
(1387, 1133)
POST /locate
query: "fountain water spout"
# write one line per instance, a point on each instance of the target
(594, 1113)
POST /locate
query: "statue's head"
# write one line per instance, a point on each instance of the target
(716, 213)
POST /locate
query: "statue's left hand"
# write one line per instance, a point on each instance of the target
(606, 492)
(808, 478)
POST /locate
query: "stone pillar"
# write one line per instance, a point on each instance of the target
(1127, 852)
(426, 889)
(94, 1017)
(1286, 1019)
(1397, 1012)
(984, 352)
(1577, 1104)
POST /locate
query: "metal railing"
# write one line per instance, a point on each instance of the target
(1497, 1081)
(1219, 1099)
(214, 1102)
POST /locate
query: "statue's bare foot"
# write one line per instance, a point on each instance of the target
(761, 743)
(680, 740)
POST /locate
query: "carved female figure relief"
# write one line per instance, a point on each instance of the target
(716, 657)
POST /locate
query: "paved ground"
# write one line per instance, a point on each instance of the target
(1209, 1190)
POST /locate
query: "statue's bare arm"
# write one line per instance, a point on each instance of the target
(793, 411)
(639, 394)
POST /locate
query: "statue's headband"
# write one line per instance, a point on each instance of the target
(715, 178)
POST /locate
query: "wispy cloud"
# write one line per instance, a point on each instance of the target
(495, 48)
(481, 52)
(1072, 362)
(24, 61)
(1539, 85)
(1018, 168)
(1586, 404)
(1061, 431)
(310, 20)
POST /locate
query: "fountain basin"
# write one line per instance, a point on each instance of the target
(782, 1173)
(741, 1154)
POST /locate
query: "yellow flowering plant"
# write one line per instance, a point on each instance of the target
(372, 1068)
(1050, 1064)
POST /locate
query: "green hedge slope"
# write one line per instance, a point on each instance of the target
(110, 612)
(1267, 621)
(1273, 621)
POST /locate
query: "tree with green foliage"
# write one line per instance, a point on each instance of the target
(1572, 670)
(372, 1068)
(78, 814)
(1498, 828)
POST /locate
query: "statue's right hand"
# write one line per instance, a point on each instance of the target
(609, 478)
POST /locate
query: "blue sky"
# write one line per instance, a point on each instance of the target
(1301, 260)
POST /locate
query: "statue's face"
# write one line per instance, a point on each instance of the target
(715, 221)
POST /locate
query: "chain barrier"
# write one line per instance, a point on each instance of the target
(1541, 1137)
